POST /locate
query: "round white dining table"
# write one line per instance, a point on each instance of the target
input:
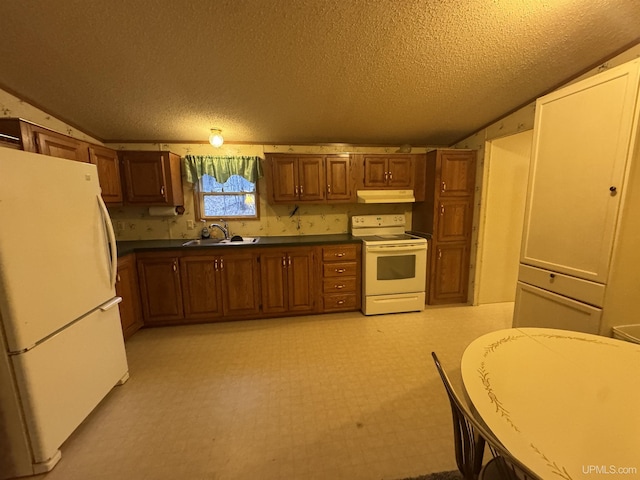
(564, 403)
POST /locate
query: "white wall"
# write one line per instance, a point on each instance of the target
(505, 171)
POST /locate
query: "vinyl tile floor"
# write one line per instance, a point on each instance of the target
(338, 396)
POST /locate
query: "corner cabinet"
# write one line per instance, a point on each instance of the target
(447, 214)
(127, 288)
(309, 179)
(24, 135)
(152, 178)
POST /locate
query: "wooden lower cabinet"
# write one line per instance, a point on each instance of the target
(449, 267)
(288, 280)
(231, 284)
(127, 288)
(341, 278)
(201, 292)
(160, 287)
(240, 284)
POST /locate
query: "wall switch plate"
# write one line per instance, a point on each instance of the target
(119, 226)
(191, 224)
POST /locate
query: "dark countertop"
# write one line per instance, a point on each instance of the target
(130, 246)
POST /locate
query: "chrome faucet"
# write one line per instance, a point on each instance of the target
(224, 228)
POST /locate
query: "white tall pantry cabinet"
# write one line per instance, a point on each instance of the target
(580, 257)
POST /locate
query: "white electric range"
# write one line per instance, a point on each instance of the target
(394, 266)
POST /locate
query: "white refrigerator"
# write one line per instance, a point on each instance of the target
(61, 341)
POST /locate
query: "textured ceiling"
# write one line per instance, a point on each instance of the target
(422, 72)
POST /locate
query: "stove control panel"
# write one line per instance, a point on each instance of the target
(394, 220)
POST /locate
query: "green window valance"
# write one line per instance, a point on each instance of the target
(195, 166)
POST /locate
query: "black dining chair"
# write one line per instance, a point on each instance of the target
(470, 437)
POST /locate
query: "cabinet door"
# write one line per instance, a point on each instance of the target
(450, 273)
(200, 287)
(300, 280)
(240, 274)
(457, 173)
(61, 146)
(284, 179)
(338, 172)
(535, 307)
(160, 289)
(576, 175)
(400, 173)
(145, 178)
(274, 281)
(127, 288)
(311, 182)
(453, 220)
(106, 160)
(375, 172)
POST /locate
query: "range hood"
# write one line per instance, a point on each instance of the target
(385, 196)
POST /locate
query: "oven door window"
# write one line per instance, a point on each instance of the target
(396, 267)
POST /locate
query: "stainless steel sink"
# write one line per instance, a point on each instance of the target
(205, 242)
(201, 242)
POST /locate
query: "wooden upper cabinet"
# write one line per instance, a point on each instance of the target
(339, 178)
(375, 172)
(152, 178)
(61, 146)
(455, 220)
(106, 160)
(457, 173)
(392, 172)
(296, 178)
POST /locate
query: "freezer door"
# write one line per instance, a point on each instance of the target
(535, 307)
(63, 379)
(55, 259)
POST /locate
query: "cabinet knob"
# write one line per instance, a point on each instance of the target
(341, 270)
(301, 191)
(284, 261)
(175, 267)
(162, 190)
(118, 277)
(339, 287)
(341, 254)
(329, 189)
(215, 264)
(444, 186)
(613, 189)
(340, 302)
(221, 264)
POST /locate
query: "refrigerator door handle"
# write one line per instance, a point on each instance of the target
(110, 304)
(112, 241)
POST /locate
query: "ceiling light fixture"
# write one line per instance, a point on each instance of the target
(215, 138)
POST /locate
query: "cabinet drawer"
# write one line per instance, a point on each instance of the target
(347, 269)
(339, 285)
(339, 253)
(340, 302)
(572, 287)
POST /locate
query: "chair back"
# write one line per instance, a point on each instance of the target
(469, 446)
(470, 436)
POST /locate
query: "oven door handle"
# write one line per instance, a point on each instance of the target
(395, 249)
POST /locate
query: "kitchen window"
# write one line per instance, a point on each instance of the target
(224, 186)
(235, 198)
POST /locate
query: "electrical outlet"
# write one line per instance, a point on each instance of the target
(191, 225)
